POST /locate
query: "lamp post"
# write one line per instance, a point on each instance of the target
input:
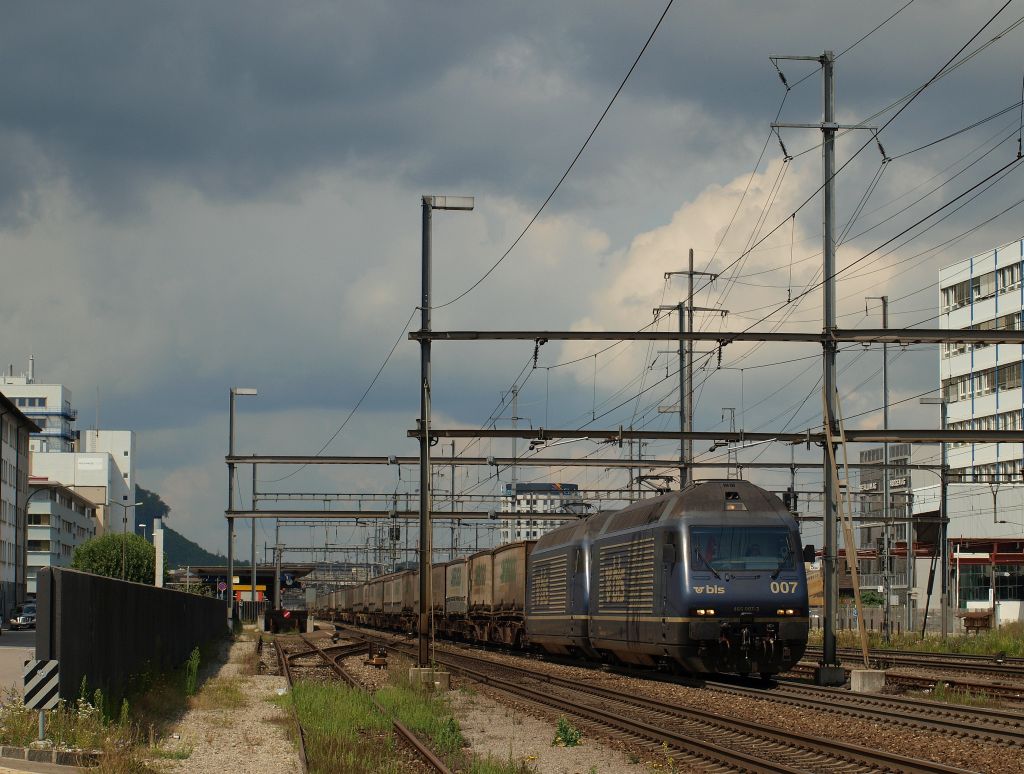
(231, 494)
(143, 525)
(430, 203)
(943, 404)
(124, 531)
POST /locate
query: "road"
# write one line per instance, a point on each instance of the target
(15, 648)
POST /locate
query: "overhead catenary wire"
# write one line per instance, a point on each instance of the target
(754, 246)
(359, 402)
(569, 169)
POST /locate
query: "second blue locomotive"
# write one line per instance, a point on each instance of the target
(710, 579)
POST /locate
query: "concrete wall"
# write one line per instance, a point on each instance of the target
(108, 630)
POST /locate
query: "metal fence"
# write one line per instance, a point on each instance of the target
(251, 612)
(106, 631)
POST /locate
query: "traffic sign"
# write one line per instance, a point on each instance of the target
(289, 579)
(42, 684)
(222, 586)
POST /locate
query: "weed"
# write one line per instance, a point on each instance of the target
(175, 754)
(492, 765)
(566, 735)
(1008, 640)
(249, 663)
(192, 673)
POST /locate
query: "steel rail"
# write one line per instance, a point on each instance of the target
(1010, 667)
(767, 735)
(286, 668)
(422, 750)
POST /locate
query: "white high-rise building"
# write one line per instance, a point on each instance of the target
(48, 405)
(538, 498)
(98, 477)
(98, 464)
(982, 383)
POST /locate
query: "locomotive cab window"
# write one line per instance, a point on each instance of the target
(732, 549)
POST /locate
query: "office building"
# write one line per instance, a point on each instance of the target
(15, 431)
(48, 405)
(982, 383)
(97, 477)
(538, 498)
(59, 520)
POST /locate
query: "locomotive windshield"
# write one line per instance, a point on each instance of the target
(734, 549)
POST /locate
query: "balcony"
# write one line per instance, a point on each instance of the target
(67, 412)
(872, 580)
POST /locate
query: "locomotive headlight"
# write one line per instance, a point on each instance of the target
(780, 611)
(790, 611)
(700, 611)
(711, 612)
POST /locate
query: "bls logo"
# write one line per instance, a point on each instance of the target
(709, 589)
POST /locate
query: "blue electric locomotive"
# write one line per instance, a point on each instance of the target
(710, 579)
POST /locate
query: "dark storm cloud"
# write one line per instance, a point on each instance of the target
(242, 99)
(236, 97)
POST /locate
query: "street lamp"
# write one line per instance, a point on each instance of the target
(124, 530)
(429, 203)
(143, 525)
(231, 498)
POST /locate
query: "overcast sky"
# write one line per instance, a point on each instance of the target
(196, 195)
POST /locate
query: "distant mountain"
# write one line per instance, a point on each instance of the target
(180, 551)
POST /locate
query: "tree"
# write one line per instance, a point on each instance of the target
(871, 598)
(103, 556)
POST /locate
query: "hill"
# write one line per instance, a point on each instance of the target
(180, 551)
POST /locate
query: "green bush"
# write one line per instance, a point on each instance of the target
(114, 555)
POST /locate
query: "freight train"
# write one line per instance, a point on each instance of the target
(709, 579)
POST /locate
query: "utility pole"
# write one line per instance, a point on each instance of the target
(277, 564)
(886, 495)
(429, 204)
(253, 555)
(828, 672)
(943, 517)
(686, 311)
(451, 472)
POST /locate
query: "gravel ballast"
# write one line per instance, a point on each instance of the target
(250, 739)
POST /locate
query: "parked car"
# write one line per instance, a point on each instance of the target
(23, 617)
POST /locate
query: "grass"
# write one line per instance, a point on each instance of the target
(116, 728)
(345, 732)
(176, 754)
(1007, 640)
(945, 693)
(222, 693)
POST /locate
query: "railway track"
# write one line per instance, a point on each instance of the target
(696, 737)
(326, 665)
(1012, 668)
